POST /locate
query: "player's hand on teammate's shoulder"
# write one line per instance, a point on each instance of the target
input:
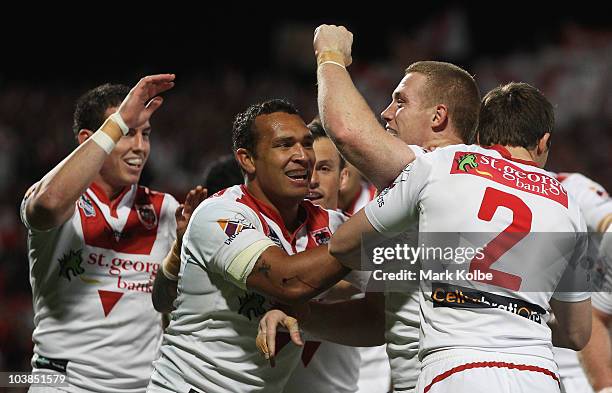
(333, 38)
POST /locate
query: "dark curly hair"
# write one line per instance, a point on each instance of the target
(243, 133)
(91, 106)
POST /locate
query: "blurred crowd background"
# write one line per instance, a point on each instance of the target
(223, 67)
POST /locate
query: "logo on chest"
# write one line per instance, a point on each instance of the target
(146, 215)
(70, 265)
(86, 206)
(321, 236)
(252, 305)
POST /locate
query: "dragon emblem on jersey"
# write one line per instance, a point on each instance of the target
(70, 264)
(251, 305)
(146, 215)
(86, 206)
(321, 236)
(467, 160)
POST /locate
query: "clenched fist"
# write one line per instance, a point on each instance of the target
(333, 38)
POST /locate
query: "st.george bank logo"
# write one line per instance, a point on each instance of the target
(503, 172)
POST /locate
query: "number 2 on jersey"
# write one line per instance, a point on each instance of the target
(517, 230)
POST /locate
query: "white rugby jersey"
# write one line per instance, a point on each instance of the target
(209, 345)
(595, 204)
(402, 320)
(330, 367)
(474, 189)
(91, 283)
(603, 300)
(365, 195)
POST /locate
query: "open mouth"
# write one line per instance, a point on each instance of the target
(313, 196)
(135, 163)
(391, 131)
(300, 175)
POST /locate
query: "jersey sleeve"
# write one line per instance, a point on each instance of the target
(592, 198)
(168, 215)
(22, 210)
(24, 217)
(574, 283)
(358, 279)
(603, 300)
(396, 207)
(226, 238)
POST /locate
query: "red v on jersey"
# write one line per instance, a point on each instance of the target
(109, 299)
(140, 230)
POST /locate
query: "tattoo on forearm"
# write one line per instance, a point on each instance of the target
(263, 267)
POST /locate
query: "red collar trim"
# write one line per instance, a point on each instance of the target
(506, 154)
(114, 204)
(273, 214)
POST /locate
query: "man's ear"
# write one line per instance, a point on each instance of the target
(245, 160)
(439, 118)
(83, 135)
(344, 179)
(543, 144)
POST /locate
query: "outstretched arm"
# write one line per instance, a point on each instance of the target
(346, 116)
(51, 201)
(297, 278)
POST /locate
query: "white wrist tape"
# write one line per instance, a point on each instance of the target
(332, 62)
(116, 117)
(168, 275)
(104, 141)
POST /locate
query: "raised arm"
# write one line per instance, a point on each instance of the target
(346, 116)
(51, 201)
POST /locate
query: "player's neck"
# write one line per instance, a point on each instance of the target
(346, 198)
(521, 153)
(109, 190)
(287, 209)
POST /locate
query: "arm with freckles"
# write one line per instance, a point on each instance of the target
(348, 119)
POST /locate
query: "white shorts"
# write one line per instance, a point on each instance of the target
(474, 371)
(576, 385)
(375, 371)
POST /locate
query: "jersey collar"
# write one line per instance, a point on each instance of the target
(506, 154)
(273, 214)
(102, 197)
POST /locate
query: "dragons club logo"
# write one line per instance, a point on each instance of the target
(252, 305)
(146, 215)
(470, 161)
(321, 236)
(70, 265)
